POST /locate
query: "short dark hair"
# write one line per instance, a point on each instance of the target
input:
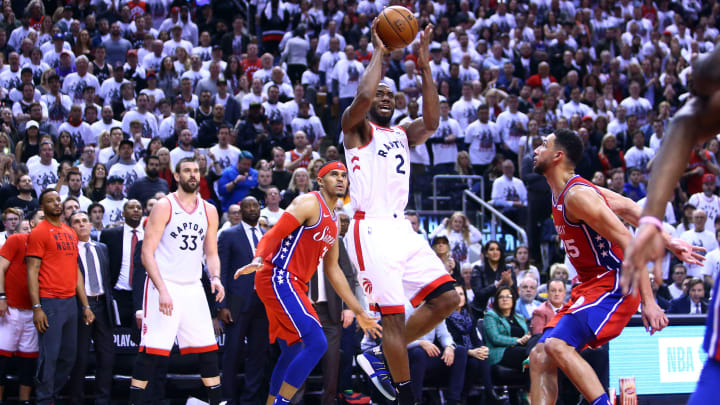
(499, 291)
(76, 213)
(42, 194)
(183, 160)
(92, 206)
(571, 143)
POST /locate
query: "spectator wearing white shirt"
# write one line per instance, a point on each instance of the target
(346, 77)
(639, 156)
(445, 141)
(656, 138)
(410, 81)
(272, 210)
(575, 106)
(634, 104)
(184, 149)
(328, 60)
(700, 237)
(712, 263)
(75, 83)
(325, 40)
(482, 137)
(513, 125)
(176, 41)
(707, 200)
(509, 194)
(465, 109)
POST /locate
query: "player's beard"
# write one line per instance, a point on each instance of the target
(188, 188)
(540, 167)
(382, 121)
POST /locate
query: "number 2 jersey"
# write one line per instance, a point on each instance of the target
(590, 253)
(179, 254)
(379, 172)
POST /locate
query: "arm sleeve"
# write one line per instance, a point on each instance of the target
(270, 242)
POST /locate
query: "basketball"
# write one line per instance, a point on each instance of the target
(397, 27)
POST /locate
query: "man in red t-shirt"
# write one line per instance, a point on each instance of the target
(54, 280)
(18, 336)
(699, 164)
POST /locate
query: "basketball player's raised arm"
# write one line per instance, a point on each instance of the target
(159, 217)
(339, 282)
(419, 130)
(354, 123)
(586, 205)
(212, 259)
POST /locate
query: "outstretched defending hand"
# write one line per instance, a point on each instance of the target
(686, 252)
(249, 268)
(423, 56)
(369, 325)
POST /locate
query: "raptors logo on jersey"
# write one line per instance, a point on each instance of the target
(380, 171)
(301, 251)
(180, 252)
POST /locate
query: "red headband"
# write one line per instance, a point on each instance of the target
(331, 166)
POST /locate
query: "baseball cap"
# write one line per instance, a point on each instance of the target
(131, 52)
(220, 81)
(708, 178)
(255, 104)
(276, 118)
(31, 124)
(175, 9)
(58, 36)
(151, 74)
(587, 118)
(435, 47)
(440, 238)
(119, 65)
(115, 178)
(65, 52)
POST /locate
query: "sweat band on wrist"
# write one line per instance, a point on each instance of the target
(650, 220)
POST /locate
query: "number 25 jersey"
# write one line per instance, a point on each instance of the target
(179, 254)
(379, 172)
(590, 253)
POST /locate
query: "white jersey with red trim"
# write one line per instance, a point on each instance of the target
(179, 254)
(379, 172)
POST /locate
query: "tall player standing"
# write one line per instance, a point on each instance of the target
(697, 121)
(395, 263)
(287, 257)
(181, 229)
(594, 239)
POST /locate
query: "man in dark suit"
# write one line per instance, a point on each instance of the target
(334, 316)
(242, 312)
(122, 243)
(94, 263)
(691, 303)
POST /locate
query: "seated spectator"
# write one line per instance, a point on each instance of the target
(506, 331)
(462, 327)
(460, 233)
(522, 256)
(236, 181)
(299, 184)
(488, 275)
(634, 189)
(436, 354)
(691, 303)
(441, 246)
(234, 217)
(527, 302)
(699, 236)
(557, 271)
(547, 310)
(610, 156)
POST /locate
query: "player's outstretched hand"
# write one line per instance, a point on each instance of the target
(647, 246)
(653, 317)
(247, 269)
(686, 252)
(378, 44)
(369, 325)
(423, 56)
(166, 304)
(217, 288)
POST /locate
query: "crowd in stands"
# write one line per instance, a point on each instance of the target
(101, 98)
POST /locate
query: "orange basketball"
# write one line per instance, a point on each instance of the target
(397, 27)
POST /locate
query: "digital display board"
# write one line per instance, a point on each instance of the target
(668, 362)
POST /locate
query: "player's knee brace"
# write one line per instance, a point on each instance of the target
(144, 366)
(26, 370)
(209, 364)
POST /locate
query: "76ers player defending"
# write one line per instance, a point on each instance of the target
(594, 238)
(395, 264)
(181, 229)
(287, 257)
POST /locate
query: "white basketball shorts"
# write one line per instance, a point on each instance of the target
(18, 336)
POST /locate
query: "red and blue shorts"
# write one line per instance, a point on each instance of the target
(596, 313)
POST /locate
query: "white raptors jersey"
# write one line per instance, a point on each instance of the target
(379, 172)
(180, 253)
